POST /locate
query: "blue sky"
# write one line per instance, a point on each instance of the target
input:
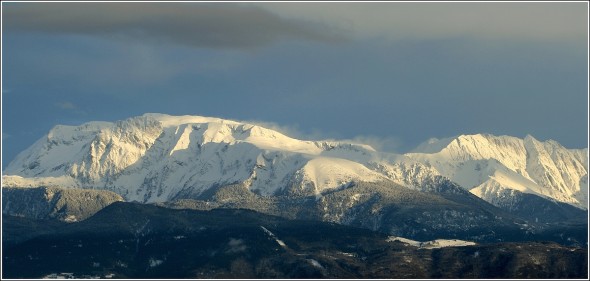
(391, 74)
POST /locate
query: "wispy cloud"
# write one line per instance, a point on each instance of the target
(292, 131)
(65, 105)
(70, 107)
(236, 246)
(384, 144)
(219, 25)
(6, 135)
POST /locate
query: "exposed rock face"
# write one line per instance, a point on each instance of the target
(66, 204)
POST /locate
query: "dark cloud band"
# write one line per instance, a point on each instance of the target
(220, 25)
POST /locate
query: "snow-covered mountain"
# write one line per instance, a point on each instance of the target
(496, 167)
(158, 158)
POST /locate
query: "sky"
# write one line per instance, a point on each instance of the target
(391, 74)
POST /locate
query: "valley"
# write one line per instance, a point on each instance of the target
(130, 240)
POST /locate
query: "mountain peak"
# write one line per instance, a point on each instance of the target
(487, 162)
(174, 121)
(461, 142)
(530, 137)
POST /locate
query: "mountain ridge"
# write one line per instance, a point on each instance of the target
(158, 157)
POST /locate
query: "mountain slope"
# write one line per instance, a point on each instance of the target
(66, 204)
(385, 207)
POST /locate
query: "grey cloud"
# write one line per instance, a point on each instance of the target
(219, 25)
(484, 20)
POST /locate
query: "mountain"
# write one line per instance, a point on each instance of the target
(157, 158)
(499, 169)
(130, 240)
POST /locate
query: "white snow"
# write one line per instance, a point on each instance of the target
(174, 121)
(155, 262)
(404, 240)
(280, 242)
(433, 244)
(326, 173)
(315, 263)
(441, 243)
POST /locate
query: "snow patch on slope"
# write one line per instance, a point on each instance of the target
(274, 237)
(326, 173)
(433, 244)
